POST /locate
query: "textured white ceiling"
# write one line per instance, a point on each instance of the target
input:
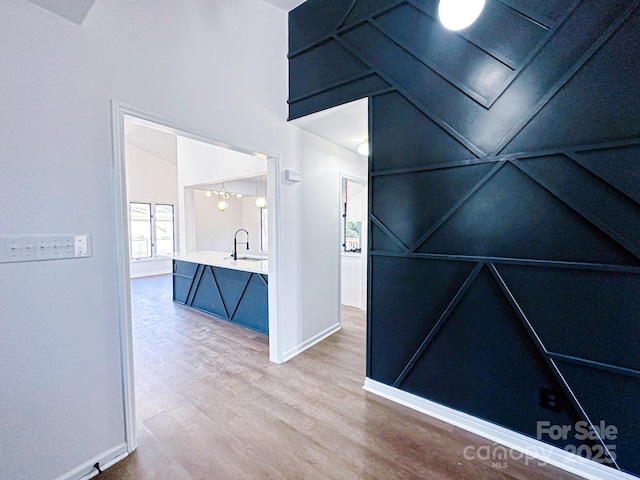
(285, 5)
(156, 142)
(74, 10)
(346, 125)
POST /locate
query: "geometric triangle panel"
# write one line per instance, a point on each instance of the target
(307, 29)
(599, 104)
(511, 216)
(410, 204)
(589, 195)
(426, 38)
(611, 402)
(231, 284)
(618, 166)
(364, 8)
(382, 242)
(483, 362)
(410, 294)
(581, 313)
(252, 311)
(311, 71)
(206, 295)
(395, 123)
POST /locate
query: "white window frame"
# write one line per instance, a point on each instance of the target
(154, 247)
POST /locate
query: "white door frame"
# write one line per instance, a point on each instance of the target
(119, 111)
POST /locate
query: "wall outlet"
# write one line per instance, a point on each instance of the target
(551, 399)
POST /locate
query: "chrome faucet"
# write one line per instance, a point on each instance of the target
(235, 242)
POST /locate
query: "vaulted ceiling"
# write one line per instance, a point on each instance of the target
(74, 10)
(285, 5)
(77, 10)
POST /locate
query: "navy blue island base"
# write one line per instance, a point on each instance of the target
(233, 295)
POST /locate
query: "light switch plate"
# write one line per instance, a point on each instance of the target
(82, 245)
(29, 248)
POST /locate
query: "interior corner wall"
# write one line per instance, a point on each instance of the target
(195, 62)
(504, 281)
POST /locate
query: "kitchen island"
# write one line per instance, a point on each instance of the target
(232, 290)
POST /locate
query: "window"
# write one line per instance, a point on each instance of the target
(152, 228)
(140, 215)
(164, 230)
(352, 201)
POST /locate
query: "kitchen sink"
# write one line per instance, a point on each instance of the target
(249, 259)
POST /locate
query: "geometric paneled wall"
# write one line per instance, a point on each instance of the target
(504, 208)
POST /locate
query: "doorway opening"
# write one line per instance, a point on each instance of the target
(353, 248)
(179, 231)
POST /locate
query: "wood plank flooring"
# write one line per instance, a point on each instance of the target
(211, 406)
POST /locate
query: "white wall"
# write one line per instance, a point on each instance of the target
(60, 371)
(201, 163)
(215, 229)
(218, 66)
(251, 222)
(151, 178)
(320, 231)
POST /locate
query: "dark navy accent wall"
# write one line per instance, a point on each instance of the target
(504, 202)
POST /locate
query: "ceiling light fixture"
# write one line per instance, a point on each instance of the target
(222, 199)
(223, 196)
(459, 14)
(363, 148)
(261, 200)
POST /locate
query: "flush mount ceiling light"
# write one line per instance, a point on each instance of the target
(363, 148)
(459, 14)
(261, 200)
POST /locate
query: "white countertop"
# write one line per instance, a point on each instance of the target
(224, 260)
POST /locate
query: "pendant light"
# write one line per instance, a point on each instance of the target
(459, 14)
(222, 199)
(261, 200)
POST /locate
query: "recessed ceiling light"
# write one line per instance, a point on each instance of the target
(363, 148)
(459, 14)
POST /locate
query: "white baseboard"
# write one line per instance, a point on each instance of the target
(105, 459)
(289, 354)
(150, 274)
(513, 440)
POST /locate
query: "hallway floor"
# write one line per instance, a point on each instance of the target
(211, 406)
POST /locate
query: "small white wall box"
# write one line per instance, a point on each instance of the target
(292, 176)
